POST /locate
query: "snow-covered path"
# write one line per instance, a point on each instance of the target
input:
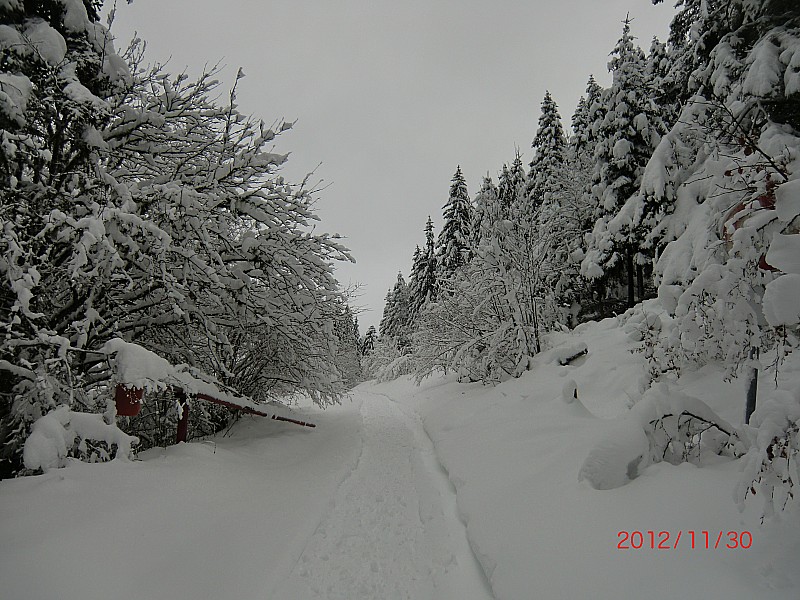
(392, 530)
(357, 508)
(360, 507)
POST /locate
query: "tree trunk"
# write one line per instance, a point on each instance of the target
(629, 269)
(640, 281)
(752, 386)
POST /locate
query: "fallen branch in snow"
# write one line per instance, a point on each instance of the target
(564, 355)
(568, 359)
(684, 438)
(138, 367)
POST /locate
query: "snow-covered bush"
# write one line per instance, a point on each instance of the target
(771, 466)
(62, 434)
(665, 425)
(387, 361)
(472, 330)
(647, 323)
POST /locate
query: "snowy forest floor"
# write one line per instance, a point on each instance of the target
(441, 491)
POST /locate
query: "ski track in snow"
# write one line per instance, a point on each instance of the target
(392, 530)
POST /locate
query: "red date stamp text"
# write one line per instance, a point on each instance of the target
(689, 539)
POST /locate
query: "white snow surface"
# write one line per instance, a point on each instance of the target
(781, 304)
(443, 491)
(784, 253)
(48, 43)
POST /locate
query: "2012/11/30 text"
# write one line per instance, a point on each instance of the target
(690, 539)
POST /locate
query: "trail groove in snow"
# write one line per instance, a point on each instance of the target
(479, 562)
(392, 530)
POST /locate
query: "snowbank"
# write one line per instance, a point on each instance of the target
(513, 451)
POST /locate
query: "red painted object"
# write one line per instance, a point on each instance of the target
(182, 433)
(128, 400)
(251, 411)
(764, 265)
(765, 202)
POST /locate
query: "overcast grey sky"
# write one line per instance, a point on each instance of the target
(391, 96)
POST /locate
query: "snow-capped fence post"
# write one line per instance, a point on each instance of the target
(183, 422)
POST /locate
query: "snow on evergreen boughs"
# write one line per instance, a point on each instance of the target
(370, 341)
(733, 162)
(549, 149)
(629, 131)
(453, 245)
(424, 273)
(397, 314)
(485, 212)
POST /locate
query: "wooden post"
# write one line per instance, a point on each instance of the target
(751, 386)
(183, 422)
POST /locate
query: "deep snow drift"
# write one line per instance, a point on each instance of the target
(361, 508)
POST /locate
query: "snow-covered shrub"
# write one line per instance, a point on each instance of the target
(647, 323)
(664, 425)
(62, 434)
(466, 332)
(386, 361)
(771, 466)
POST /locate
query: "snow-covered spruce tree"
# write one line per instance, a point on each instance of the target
(549, 147)
(370, 339)
(388, 302)
(661, 82)
(417, 268)
(487, 324)
(138, 208)
(396, 319)
(512, 192)
(453, 244)
(585, 139)
(581, 128)
(424, 273)
(563, 221)
(557, 185)
(348, 348)
(485, 206)
(629, 131)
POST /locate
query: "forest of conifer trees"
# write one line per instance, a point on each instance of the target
(676, 182)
